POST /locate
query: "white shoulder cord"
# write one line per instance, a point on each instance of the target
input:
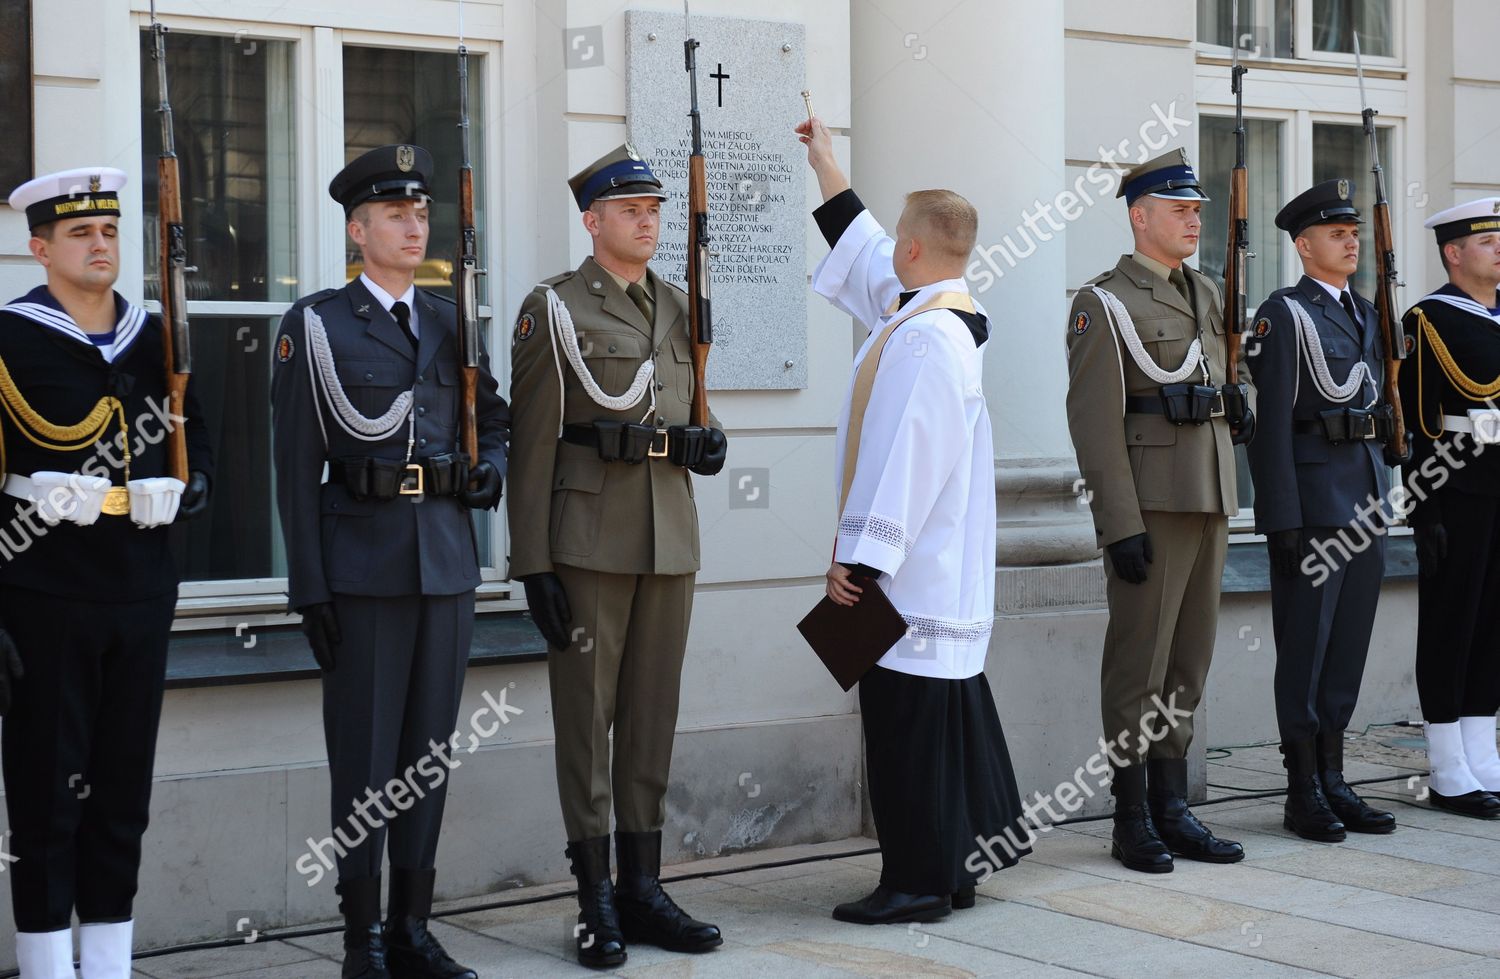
(560, 327)
(1124, 326)
(1309, 342)
(323, 375)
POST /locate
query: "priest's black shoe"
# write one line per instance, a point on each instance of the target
(1135, 842)
(1357, 815)
(1179, 829)
(364, 940)
(413, 952)
(1478, 804)
(601, 944)
(883, 906)
(963, 898)
(647, 915)
(1307, 812)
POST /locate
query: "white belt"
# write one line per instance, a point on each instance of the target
(81, 499)
(1482, 423)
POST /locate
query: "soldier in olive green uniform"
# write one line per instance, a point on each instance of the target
(605, 539)
(1150, 416)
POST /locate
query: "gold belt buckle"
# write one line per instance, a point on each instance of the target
(652, 453)
(412, 483)
(116, 501)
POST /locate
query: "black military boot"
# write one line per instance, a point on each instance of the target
(1135, 842)
(412, 951)
(1307, 811)
(1351, 810)
(1179, 829)
(600, 942)
(647, 914)
(364, 942)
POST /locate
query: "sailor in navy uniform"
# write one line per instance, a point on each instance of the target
(1317, 462)
(382, 556)
(87, 583)
(1449, 387)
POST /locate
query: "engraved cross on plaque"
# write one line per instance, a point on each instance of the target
(719, 74)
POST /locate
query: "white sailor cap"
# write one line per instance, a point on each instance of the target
(1466, 219)
(82, 193)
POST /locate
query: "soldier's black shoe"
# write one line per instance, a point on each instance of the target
(1307, 812)
(413, 952)
(883, 906)
(1357, 815)
(1179, 829)
(647, 914)
(601, 944)
(1135, 842)
(364, 941)
(1478, 804)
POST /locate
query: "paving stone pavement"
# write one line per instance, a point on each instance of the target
(1424, 901)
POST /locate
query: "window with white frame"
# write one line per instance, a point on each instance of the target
(1309, 29)
(242, 111)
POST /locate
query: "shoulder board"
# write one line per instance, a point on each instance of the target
(558, 280)
(1102, 276)
(315, 298)
(438, 297)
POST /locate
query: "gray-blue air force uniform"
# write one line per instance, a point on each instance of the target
(1322, 615)
(400, 572)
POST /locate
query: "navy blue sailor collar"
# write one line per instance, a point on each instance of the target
(42, 308)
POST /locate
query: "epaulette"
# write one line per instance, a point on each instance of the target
(1102, 276)
(559, 279)
(315, 298)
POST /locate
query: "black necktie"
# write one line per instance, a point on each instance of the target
(402, 313)
(1348, 302)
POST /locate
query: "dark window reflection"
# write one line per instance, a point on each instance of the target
(234, 128)
(1335, 21)
(1342, 152)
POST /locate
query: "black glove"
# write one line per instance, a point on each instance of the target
(549, 607)
(484, 488)
(1286, 548)
(1432, 547)
(1242, 433)
(11, 670)
(1130, 557)
(715, 449)
(1392, 459)
(320, 624)
(194, 497)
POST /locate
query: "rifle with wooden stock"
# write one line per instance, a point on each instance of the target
(700, 307)
(172, 270)
(1392, 331)
(466, 273)
(1238, 252)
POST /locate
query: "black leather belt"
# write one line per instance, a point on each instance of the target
(1148, 405)
(1316, 426)
(588, 437)
(387, 479)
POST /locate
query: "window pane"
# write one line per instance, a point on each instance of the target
(1265, 26)
(15, 93)
(238, 537)
(233, 113)
(1335, 21)
(1266, 195)
(1342, 152)
(394, 96)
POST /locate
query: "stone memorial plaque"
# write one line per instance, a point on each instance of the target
(750, 79)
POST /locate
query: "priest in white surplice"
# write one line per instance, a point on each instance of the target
(918, 515)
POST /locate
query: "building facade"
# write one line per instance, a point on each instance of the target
(1024, 108)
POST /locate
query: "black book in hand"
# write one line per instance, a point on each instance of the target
(849, 639)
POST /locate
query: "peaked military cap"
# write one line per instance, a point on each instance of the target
(619, 173)
(398, 172)
(1330, 202)
(1169, 175)
(1465, 219)
(82, 193)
